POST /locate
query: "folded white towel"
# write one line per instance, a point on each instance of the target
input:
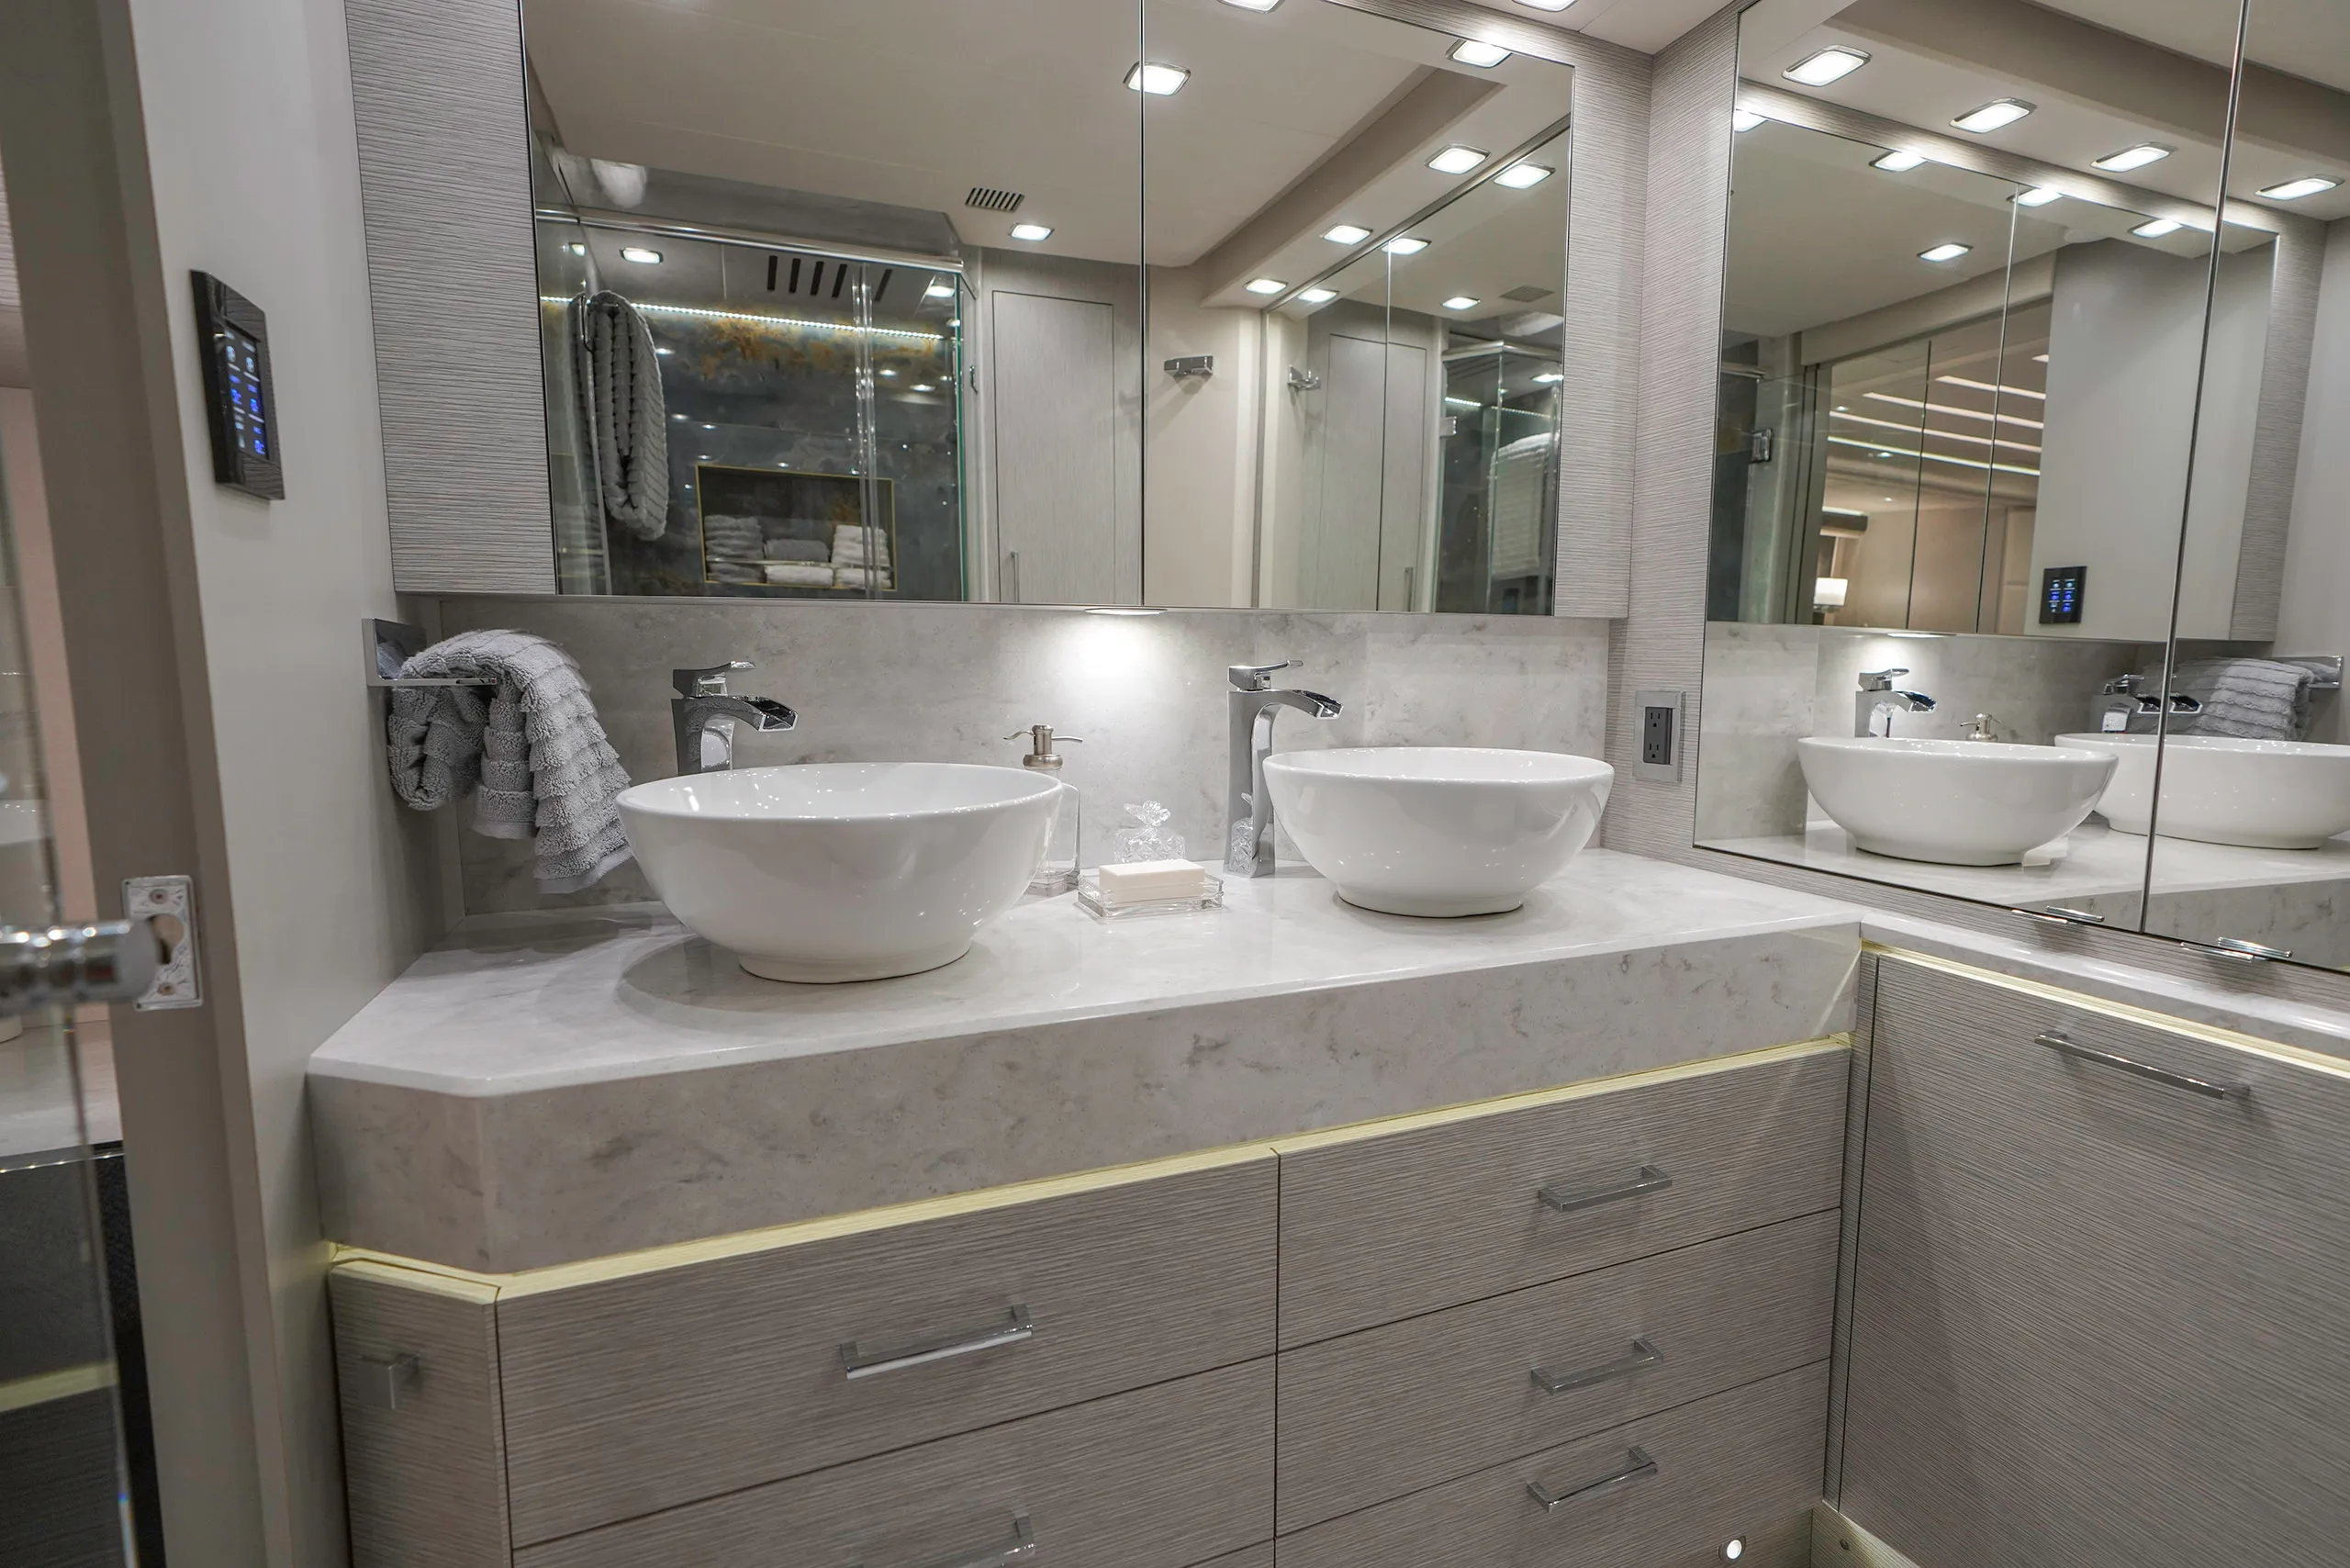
(529, 746)
(862, 578)
(798, 573)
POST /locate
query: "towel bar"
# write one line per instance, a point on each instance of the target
(388, 644)
(2325, 669)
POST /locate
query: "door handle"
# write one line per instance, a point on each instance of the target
(1636, 1466)
(1650, 1178)
(859, 1359)
(1644, 1354)
(2065, 1045)
(66, 966)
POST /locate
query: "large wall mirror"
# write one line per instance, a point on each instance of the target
(1164, 302)
(2016, 439)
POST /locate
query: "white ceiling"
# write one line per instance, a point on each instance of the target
(914, 102)
(1645, 25)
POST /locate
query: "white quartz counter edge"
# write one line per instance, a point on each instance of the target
(516, 1003)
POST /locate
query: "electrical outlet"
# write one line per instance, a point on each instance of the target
(1659, 714)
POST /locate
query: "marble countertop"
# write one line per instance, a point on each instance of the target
(550, 1087)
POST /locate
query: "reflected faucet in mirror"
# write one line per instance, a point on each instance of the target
(1252, 704)
(703, 715)
(1878, 700)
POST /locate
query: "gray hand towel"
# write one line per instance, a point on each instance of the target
(2249, 698)
(620, 393)
(529, 747)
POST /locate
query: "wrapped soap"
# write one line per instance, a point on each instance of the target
(1140, 882)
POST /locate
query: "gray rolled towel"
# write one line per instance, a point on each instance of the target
(627, 413)
(529, 746)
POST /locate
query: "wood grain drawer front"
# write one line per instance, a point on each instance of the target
(2100, 1319)
(632, 1395)
(1686, 1481)
(1382, 1227)
(1162, 1477)
(1373, 1416)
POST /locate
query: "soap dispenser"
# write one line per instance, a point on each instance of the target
(1057, 867)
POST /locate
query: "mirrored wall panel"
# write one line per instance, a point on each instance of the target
(2254, 793)
(1151, 302)
(1987, 435)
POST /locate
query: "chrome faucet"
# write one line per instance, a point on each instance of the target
(703, 715)
(1879, 698)
(1249, 810)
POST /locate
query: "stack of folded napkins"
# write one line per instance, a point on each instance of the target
(861, 556)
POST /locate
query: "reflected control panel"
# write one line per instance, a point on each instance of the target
(240, 406)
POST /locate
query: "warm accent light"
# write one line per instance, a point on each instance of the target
(1347, 234)
(2038, 196)
(1482, 55)
(640, 255)
(1522, 176)
(1460, 302)
(2002, 418)
(939, 289)
(1830, 64)
(1974, 462)
(1253, 5)
(2136, 157)
(2155, 229)
(1032, 233)
(1547, 378)
(1949, 250)
(2000, 387)
(1318, 295)
(1992, 115)
(697, 311)
(2294, 190)
(1404, 245)
(1897, 162)
(1265, 285)
(1158, 81)
(1939, 435)
(1457, 159)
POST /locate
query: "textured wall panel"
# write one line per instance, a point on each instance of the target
(445, 174)
(2277, 435)
(1663, 642)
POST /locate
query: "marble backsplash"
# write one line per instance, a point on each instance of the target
(947, 682)
(1767, 686)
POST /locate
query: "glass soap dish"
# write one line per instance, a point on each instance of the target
(1089, 896)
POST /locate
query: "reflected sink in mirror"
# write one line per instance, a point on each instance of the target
(826, 872)
(1442, 831)
(2262, 794)
(1953, 802)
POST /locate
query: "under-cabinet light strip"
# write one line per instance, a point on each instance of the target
(1883, 450)
(766, 321)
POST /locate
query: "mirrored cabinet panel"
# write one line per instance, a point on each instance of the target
(1158, 302)
(1987, 435)
(2251, 790)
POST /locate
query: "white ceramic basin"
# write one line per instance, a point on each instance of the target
(2267, 794)
(1438, 830)
(1951, 802)
(841, 870)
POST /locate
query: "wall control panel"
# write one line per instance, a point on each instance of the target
(241, 406)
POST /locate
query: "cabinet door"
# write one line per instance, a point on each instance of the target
(2102, 1317)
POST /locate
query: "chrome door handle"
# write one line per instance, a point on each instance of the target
(1019, 1549)
(66, 966)
(1644, 1354)
(1650, 1178)
(861, 1359)
(1636, 1466)
(2064, 1045)
(2248, 951)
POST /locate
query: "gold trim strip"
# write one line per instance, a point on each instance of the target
(2124, 1012)
(476, 1286)
(49, 1387)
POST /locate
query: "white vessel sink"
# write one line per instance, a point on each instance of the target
(2266, 794)
(841, 870)
(1951, 802)
(1438, 830)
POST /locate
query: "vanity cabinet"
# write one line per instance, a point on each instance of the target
(1589, 1325)
(2102, 1314)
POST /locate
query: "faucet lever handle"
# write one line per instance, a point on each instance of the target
(1256, 678)
(708, 681)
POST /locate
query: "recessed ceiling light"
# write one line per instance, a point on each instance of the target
(1949, 251)
(640, 255)
(2038, 196)
(1404, 245)
(1266, 285)
(939, 289)
(1547, 378)
(2136, 157)
(1318, 295)
(1744, 120)
(577, 249)
(1457, 159)
(1472, 51)
(1519, 176)
(2156, 227)
(1347, 234)
(1158, 81)
(1032, 233)
(1832, 65)
(1460, 302)
(2294, 190)
(1897, 162)
(1993, 114)
(924, 387)
(1253, 5)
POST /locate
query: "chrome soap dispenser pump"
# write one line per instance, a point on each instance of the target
(1057, 867)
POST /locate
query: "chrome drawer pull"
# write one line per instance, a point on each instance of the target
(1644, 1354)
(2064, 1045)
(1019, 1549)
(861, 1359)
(1649, 1180)
(1636, 1466)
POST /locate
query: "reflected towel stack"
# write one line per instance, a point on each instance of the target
(798, 573)
(861, 556)
(731, 540)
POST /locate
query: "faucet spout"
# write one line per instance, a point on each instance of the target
(703, 714)
(1249, 809)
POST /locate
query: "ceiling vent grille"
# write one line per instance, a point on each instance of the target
(987, 198)
(1526, 293)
